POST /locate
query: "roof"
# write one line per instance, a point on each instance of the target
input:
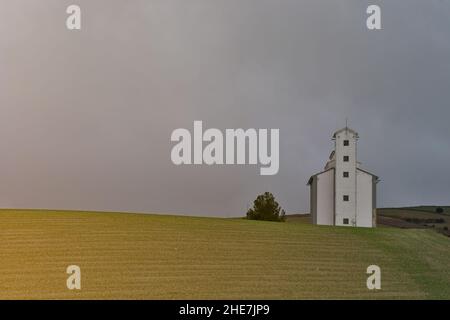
(315, 175)
(376, 177)
(345, 129)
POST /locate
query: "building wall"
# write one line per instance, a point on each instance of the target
(345, 186)
(374, 201)
(364, 201)
(313, 200)
(328, 204)
(325, 198)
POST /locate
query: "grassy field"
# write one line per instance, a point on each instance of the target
(168, 257)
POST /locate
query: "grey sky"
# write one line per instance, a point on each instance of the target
(86, 116)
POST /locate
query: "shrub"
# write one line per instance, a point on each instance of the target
(266, 208)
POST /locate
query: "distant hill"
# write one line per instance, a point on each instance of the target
(419, 217)
(431, 209)
(416, 217)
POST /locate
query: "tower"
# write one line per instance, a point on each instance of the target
(345, 141)
(343, 194)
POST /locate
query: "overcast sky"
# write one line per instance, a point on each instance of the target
(86, 116)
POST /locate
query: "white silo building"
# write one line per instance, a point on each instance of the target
(343, 194)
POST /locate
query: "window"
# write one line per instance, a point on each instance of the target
(346, 158)
(346, 143)
(345, 197)
(345, 221)
(346, 174)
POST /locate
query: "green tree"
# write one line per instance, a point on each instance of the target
(266, 208)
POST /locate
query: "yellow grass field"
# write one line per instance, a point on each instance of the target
(133, 256)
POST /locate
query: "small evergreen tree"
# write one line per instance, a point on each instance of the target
(266, 208)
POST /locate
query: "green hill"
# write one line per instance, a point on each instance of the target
(445, 209)
(416, 217)
(171, 257)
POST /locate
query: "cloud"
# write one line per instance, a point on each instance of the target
(86, 117)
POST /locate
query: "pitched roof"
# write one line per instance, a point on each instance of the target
(376, 177)
(314, 175)
(344, 129)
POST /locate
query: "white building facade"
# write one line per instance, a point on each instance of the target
(343, 194)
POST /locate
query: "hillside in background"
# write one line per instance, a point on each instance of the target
(154, 256)
(432, 209)
(416, 217)
(421, 217)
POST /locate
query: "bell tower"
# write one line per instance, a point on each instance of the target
(345, 205)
